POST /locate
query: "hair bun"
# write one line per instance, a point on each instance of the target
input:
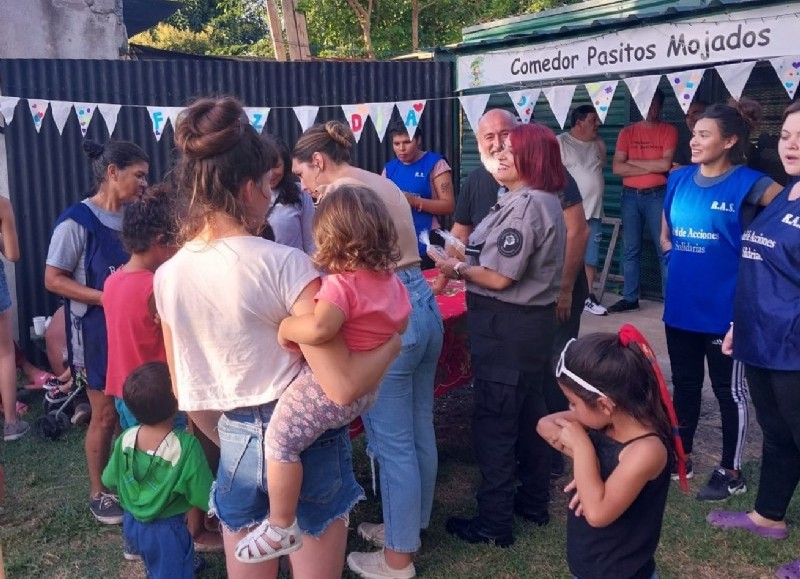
(340, 133)
(750, 111)
(93, 149)
(209, 127)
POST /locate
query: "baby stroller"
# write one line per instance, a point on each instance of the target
(61, 406)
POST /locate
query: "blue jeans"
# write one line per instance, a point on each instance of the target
(239, 495)
(165, 545)
(639, 211)
(399, 427)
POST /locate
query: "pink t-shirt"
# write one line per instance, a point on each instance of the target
(375, 305)
(647, 143)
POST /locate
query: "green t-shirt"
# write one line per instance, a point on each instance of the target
(160, 485)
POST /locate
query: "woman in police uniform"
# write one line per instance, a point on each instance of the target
(513, 274)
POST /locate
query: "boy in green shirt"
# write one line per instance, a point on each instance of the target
(159, 474)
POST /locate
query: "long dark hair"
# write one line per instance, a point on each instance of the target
(287, 192)
(735, 119)
(121, 154)
(623, 374)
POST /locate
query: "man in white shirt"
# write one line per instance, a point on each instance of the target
(584, 155)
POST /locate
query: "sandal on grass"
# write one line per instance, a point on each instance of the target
(789, 571)
(738, 520)
(40, 380)
(255, 546)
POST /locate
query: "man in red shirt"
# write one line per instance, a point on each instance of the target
(643, 158)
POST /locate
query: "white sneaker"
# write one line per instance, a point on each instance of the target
(374, 533)
(592, 306)
(373, 566)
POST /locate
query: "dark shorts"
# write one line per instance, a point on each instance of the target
(166, 547)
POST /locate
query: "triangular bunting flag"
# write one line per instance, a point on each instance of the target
(7, 107)
(258, 117)
(306, 116)
(38, 109)
(410, 114)
(381, 114)
(560, 99)
(85, 111)
(601, 93)
(60, 111)
(524, 101)
(788, 71)
(735, 76)
(473, 106)
(110, 113)
(642, 90)
(158, 117)
(356, 116)
(173, 113)
(685, 84)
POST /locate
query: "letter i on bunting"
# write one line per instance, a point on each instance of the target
(601, 94)
(356, 116)
(685, 85)
(411, 112)
(788, 70)
(380, 113)
(473, 107)
(84, 112)
(38, 110)
(258, 117)
(524, 101)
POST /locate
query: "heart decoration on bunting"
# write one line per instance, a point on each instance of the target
(38, 109)
(685, 84)
(525, 101)
(601, 94)
(410, 113)
(85, 111)
(788, 70)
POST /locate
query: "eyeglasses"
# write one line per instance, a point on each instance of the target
(561, 369)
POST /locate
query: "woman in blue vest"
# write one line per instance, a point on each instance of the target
(706, 208)
(767, 341)
(84, 250)
(425, 178)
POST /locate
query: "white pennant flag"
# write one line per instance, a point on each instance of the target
(306, 116)
(788, 70)
(473, 106)
(560, 99)
(158, 117)
(642, 90)
(381, 114)
(685, 84)
(38, 109)
(735, 76)
(110, 113)
(602, 93)
(525, 101)
(173, 113)
(410, 114)
(258, 117)
(60, 111)
(85, 112)
(7, 107)
(356, 116)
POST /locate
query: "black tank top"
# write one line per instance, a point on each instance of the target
(626, 548)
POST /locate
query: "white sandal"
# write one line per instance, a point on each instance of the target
(254, 547)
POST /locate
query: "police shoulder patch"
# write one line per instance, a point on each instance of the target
(509, 242)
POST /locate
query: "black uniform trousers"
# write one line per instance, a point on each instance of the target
(511, 352)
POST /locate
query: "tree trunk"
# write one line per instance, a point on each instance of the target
(414, 25)
(364, 16)
(276, 31)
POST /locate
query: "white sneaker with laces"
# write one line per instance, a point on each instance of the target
(375, 533)
(373, 566)
(592, 306)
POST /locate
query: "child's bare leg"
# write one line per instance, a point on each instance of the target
(204, 540)
(284, 480)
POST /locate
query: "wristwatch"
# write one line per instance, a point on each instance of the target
(457, 269)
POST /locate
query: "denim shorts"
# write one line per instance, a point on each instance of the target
(592, 256)
(5, 295)
(239, 495)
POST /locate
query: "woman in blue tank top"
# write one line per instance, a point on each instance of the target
(705, 210)
(767, 324)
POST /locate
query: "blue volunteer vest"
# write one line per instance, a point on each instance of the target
(705, 226)
(415, 178)
(767, 304)
(104, 254)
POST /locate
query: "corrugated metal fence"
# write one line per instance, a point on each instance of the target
(48, 171)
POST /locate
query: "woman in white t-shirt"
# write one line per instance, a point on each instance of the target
(221, 300)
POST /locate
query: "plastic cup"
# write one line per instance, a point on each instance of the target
(38, 325)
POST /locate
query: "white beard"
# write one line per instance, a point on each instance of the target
(490, 162)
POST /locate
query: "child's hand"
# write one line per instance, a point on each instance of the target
(285, 343)
(575, 501)
(572, 435)
(439, 284)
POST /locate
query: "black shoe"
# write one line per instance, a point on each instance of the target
(624, 305)
(537, 518)
(471, 531)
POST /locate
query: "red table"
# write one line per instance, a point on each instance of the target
(454, 369)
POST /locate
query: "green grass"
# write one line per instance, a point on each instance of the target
(47, 530)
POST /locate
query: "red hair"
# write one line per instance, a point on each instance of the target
(537, 157)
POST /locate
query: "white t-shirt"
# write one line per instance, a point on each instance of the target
(223, 302)
(584, 160)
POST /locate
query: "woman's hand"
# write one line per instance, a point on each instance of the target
(439, 284)
(447, 267)
(727, 343)
(571, 436)
(575, 500)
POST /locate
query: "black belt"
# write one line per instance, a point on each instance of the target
(646, 191)
(484, 302)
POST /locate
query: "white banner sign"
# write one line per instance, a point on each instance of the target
(740, 35)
